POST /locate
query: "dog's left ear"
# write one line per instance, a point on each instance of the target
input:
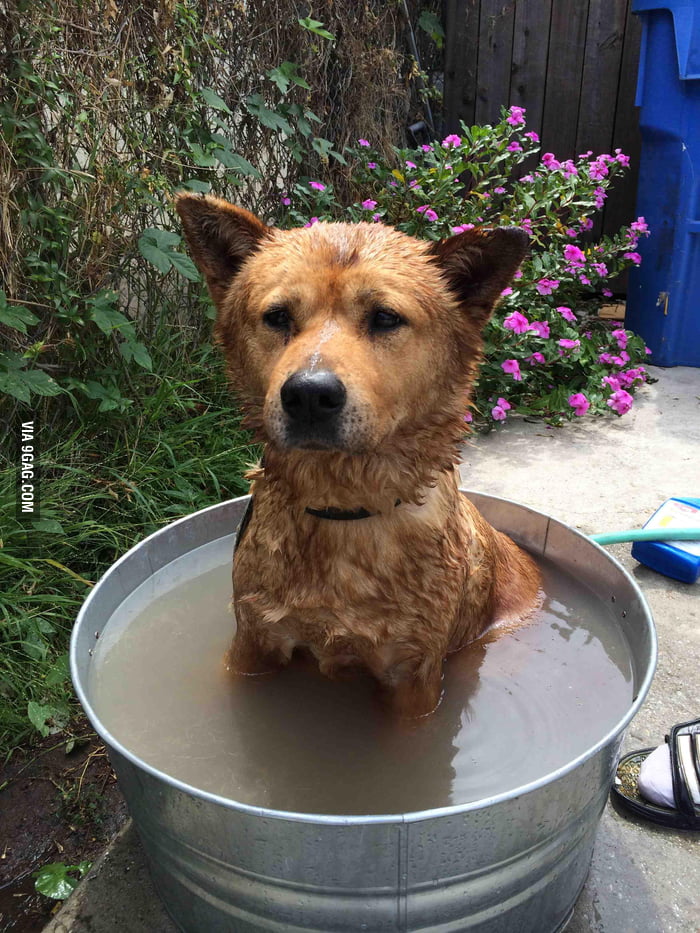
(220, 237)
(479, 264)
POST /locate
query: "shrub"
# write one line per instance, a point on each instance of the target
(546, 351)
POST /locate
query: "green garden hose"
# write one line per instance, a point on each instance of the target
(648, 534)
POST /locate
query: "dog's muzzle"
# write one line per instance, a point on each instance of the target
(313, 403)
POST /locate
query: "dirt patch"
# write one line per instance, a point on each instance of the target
(54, 807)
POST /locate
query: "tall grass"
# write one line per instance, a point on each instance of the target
(107, 481)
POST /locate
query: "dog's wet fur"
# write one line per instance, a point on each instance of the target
(353, 349)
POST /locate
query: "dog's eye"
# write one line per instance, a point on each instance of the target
(383, 319)
(277, 318)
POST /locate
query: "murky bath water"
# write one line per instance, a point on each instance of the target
(513, 710)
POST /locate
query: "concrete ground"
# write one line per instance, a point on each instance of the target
(596, 475)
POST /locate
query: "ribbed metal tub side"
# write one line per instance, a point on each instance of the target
(513, 862)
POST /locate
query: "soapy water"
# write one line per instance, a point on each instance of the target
(513, 710)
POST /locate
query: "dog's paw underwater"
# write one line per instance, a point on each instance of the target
(353, 349)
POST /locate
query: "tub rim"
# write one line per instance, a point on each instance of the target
(334, 819)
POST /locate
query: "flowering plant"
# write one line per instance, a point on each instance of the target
(546, 351)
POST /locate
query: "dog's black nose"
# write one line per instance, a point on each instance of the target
(313, 398)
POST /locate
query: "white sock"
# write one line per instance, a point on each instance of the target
(655, 782)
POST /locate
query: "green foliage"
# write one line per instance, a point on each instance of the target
(58, 881)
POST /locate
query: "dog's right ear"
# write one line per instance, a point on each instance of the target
(220, 237)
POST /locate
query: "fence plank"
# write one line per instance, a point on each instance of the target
(600, 75)
(495, 53)
(620, 208)
(461, 57)
(529, 66)
(563, 78)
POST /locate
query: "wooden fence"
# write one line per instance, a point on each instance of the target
(571, 63)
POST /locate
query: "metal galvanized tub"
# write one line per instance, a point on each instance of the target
(513, 862)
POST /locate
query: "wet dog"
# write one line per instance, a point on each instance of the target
(353, 349)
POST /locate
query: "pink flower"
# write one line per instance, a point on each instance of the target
(414, 184)
(630, 376)
(550, 162)
(371, 165)
(639, 227)
(621, 336)
(574, 255)
(499, 190)
(512, 367)
(535, 358)
(601, 269)
(607, 293)
(584, 280)
(410, 164)
(451, 141)
(570, 170)
(547, 286)
(369, 204)
(514, 147)
(612, 382)
(363, 142)
(579, 403)
(376, 218)
(506, 292)
(319, 186)
(498, 412)
(427, 148)
(532, 136)
(462, 228)
(516, 322)
(597, 170)
(286, 200)
(633, 257)
(516, 116)
(586, 223)
(518, 274)
(314, 220)
(571, 232)
(623, 159)
(569, 344)
(427, 211)
(468, 417)
(541, 328)
(526, 225)
(566, 313)
(620, 401)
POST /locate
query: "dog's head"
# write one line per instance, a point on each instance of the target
(337, 336)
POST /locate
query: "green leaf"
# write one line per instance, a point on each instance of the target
(212, 99)
(184, 266)
(47, 719)
(154, 254)
(109, 319)
(39, 382)
(49, 526)
(287, 74)
(243, 165)
(136, 351)
(55, 881)
(430, 23)
(59, 672)
(268, 118)
(194, 184)
(16, 316)
(313, 25)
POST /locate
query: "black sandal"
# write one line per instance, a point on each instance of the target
(684, 745)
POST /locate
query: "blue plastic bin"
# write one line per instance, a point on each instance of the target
(663, 300)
